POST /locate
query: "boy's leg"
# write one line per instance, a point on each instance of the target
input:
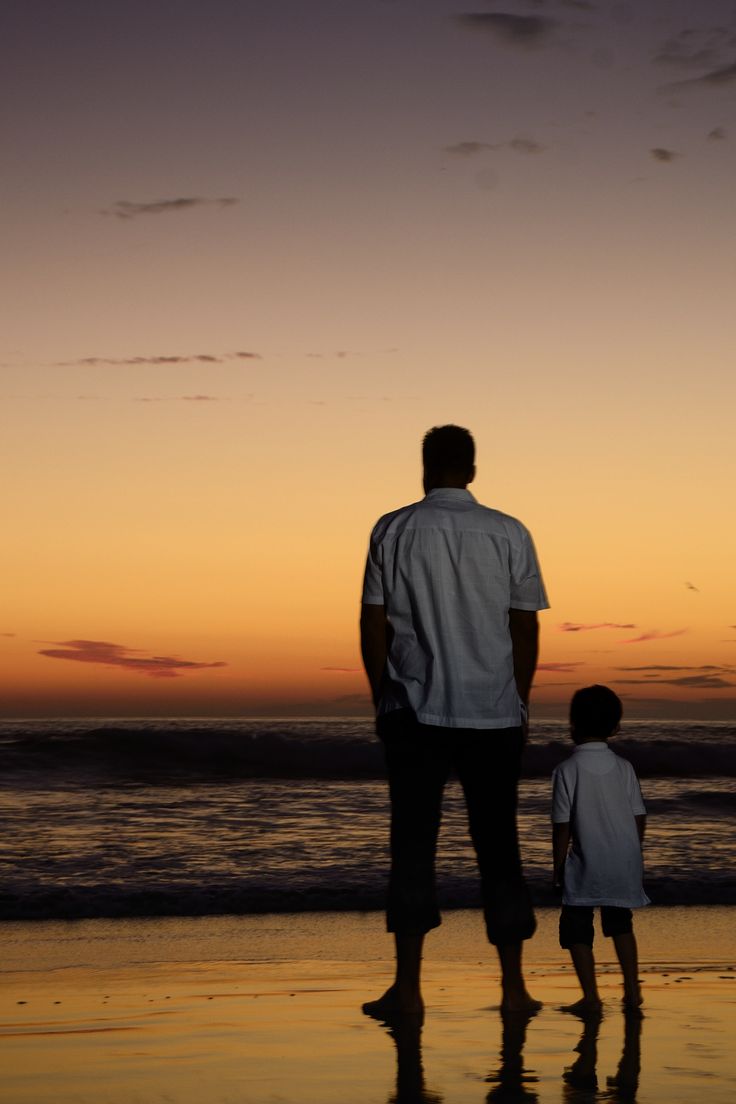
(618, 924)
(576, 936)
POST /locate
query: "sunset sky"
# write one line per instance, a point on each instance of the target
(252, 251)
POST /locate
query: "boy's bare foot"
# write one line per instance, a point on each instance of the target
(632, 1003)
(584, 1008)
(394, 1005)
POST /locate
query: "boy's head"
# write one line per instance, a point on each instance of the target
(595, 714)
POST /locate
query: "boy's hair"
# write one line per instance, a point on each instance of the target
(595, 713)
(448, 450)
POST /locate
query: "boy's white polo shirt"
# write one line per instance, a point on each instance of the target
(598, 793)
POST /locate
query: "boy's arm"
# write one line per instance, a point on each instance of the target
(641, 823)
(560, 844)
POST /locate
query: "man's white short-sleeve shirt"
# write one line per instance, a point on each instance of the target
(598, 793)
(447, 570)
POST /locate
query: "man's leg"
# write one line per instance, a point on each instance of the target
(488, 764)
(418, 766)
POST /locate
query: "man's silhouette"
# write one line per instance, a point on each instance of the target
(449, 641)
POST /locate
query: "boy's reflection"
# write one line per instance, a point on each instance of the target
(581, 1078)
(511, 1082)
(624, 1084)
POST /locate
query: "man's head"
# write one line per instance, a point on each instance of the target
(448, 455)
(595, 714)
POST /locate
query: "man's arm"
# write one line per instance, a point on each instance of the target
(374, 629)
(641, 823)
(560, 844)
(524, 629)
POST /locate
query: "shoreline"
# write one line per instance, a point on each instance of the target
(261, 1009)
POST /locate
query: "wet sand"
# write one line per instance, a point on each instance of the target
(263, 1009)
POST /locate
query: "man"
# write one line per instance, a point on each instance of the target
(449, 637)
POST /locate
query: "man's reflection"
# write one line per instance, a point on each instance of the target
(511, 1081)
(406, 1032)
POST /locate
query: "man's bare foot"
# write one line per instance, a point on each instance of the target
(584, 1008)
(632, 1002)
(394, 1005)
(520, 1003)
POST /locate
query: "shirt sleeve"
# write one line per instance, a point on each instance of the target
(561, 798)
(633, 790)
(527, 588)
(373, 578)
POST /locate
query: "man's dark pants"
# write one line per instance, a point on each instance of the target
(419, 759)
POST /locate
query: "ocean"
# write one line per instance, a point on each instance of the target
(181, 817)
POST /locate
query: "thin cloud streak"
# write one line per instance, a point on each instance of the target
(716, 78)
(471, 149)
(561, 667)
(118, 655)
(125, 209)
(692, 682)
(155, 361)
(520, 31)
(663, 155)
(574, 626)
(654, 634)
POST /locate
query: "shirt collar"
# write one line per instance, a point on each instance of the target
(596, 745)
(450, 494)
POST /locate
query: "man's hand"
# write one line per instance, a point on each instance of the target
(524, 630)
(374, 629)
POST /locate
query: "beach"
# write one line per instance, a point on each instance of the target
(267, 1008)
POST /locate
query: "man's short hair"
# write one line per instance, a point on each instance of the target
(595, 712)
(448, 450)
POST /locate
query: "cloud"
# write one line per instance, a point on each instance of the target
(574, 626)
(695, 47)
(124, 209)
(693, 682)
(342, 670)
(518, 145)
(691, 587)
(661, 154)
(161, 360)
(561, 667)
(716, 78)
(514, 30)
(8, 634)
(654, 634)
(200, 398)
(468, 149)
(677, 667)
(117, 655)
(717, 134)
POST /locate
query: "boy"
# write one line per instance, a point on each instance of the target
(596, 804)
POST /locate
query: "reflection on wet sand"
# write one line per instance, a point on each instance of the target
(406, 1033)
(581, 1078)
(511, 1081)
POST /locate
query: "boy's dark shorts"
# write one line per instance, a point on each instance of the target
(576, 924)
